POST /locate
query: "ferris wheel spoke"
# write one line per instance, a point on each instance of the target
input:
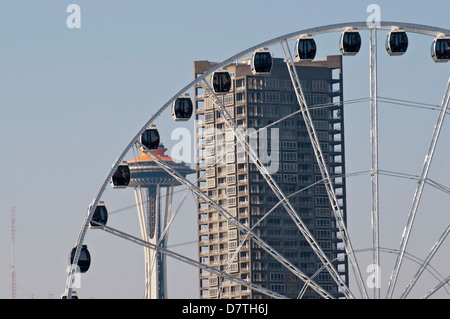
(340, 222)
(167, 252)
(426, 262)
(374, 153)
(419, 190)
(438, 286)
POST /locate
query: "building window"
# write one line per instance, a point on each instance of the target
(320, 113)
(320, 125)
(232, 234)
(210, 172)
(271, 111)
(322, 201)
(322, 136)
(272, 97)
(290, 167)
(231, 201)
(290, 178)
(306, 86)
(319, 86)
(209, 116)
(272, 84)
(231, 190)
(277, 277)
(231, 179)
(255, 97)
(322, 212)
(286, 85)
(255, 83)
(322, 223)
(210, 182)
(277, 288)
(240, 84)
(320, 190)
(289, 156)
(319, 99)
(228, 99)
(289, 145)
(230, 158)
(323, 234)
(232, 245)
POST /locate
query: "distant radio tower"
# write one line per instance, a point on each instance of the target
(13, 269)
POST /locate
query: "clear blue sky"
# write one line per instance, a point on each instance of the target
(71, 99)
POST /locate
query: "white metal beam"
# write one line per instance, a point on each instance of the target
(374, 154)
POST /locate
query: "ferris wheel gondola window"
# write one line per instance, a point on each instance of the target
(84, 260)
(440, 49)
(182, 108)
(350, 42)
(396, 43)
(100, 216)
(305, 48)
(221, 82)
(150, 138)
(261, 62)
(121, 177)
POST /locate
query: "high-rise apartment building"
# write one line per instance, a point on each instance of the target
(227, 175)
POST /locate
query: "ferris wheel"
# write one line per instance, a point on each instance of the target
(143, 165)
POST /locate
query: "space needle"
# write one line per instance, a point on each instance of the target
(150, 182)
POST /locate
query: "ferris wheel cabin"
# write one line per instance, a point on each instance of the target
(121, 177)
(350, 42)
(221, 81)
(182, 108)
(305, 48)
(150, 138)
(396, 42)
(84, 261)
(261, 63)
(440, 49)
(100, 216)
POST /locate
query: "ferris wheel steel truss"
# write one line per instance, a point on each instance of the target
(326, 179)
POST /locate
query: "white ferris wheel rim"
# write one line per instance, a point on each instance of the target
(340, 27)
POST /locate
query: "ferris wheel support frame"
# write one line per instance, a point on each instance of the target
(383, 25)
(426, 262)
(374, 155)
(419, 190)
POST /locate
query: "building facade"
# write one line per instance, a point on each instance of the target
(227, 175)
